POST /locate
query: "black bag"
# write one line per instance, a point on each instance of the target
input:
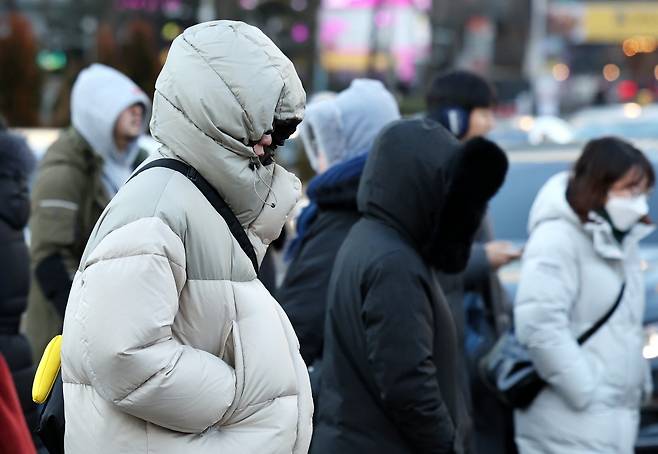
(51, 419)
(509, 372)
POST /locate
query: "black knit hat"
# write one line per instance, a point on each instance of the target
(460, 89)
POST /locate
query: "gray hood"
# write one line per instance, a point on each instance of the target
(99, 95)
(347, 124)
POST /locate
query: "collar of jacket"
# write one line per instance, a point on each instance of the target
(338, 186)
(605, 242)
(335, 189)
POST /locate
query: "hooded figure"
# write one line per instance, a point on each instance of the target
(78, 176)
(390, 379)
(338, 128)
(463, 103)
(171, 344)
(16, 165)
(346, 128)
(571, 275)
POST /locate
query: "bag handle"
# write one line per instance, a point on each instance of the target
(212, 196)
(590, 332)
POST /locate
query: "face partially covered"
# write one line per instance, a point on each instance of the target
(268, 143)
(261, 146)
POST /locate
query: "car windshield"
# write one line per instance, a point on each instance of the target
(510, 208)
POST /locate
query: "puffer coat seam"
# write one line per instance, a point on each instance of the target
(212, 279)
(84, 340)
(141, 254)
(164, 370)
(266, 402)
(276, 68)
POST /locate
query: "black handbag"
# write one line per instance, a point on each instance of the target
(509, 373)
(51, 420)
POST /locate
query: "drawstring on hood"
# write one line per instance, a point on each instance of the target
(256, 167)
(100, 94)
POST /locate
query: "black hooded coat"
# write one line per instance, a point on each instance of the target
(390, 372)
(16, 164)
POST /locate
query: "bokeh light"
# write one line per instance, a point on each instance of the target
(561, 72)
(248, 4)
(632, 110)
(170, 31)
(300, 33)
(299, 5)
(526, 123)
(611, 72)
(631, 47)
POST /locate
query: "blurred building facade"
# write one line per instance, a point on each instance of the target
(544, 56)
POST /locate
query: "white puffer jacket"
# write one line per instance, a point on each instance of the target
(171, 343)
(571, 275)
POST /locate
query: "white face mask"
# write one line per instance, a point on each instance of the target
(625, 212)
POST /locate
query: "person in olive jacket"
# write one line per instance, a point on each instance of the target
(390, 378)
(16, 165)
(77, 177)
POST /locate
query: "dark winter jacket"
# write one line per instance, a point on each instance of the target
(16, 164)
(322, 227)
(390, 376)
(67, 199)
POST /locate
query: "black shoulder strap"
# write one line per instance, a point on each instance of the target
(587, 334)
(213, 197)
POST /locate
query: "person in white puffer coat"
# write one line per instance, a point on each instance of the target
(584, 234)
(171, 344)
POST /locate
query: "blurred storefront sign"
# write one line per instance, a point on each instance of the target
(479, 40)
(361, 36)
(605, 22)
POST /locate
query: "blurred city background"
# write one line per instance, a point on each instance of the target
(565, 71)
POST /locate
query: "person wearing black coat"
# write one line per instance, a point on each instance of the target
(304, 290)
(338, 133)
(463, 103)
(390, 365)
(16, 164)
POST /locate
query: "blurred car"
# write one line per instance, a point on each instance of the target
(630, 121)
(509, 211)
(527, 130)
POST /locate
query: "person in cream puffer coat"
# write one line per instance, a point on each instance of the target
(171, 343)
(572, 274)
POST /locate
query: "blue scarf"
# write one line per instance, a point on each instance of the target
(337, 174)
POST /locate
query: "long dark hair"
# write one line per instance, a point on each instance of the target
(603, 162)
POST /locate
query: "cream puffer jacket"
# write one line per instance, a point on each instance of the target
(171, 343)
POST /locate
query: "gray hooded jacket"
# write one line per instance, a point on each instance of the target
(100, 94)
